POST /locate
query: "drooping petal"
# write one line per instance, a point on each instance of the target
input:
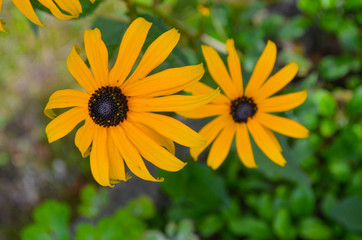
(80, 72)
(198, 88)
(262, 69)
(221, 146)
(131, 155)
(64, 99)
(64, 123)
(70, 6)
(168, 127)
(27, 9)
(218, 71)
(156, 53)
(166, 82)
(170, 103)
(99, 158)
(205, 111)
(274, 138)
(150, 150)
(243, 146)
(97, 55)
(234, 67)
(210, 131)
(282, 125)
(277, 81)
(264, 142)
(129, 50)
(1, 22)
(283, 102)
(117, 170)
(84, 136)
(158, 138)
(54, 9)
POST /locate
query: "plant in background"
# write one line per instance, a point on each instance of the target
(72, 7)
(119, 122)
(240, 112)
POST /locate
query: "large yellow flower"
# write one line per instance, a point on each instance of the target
(72, 7)
(120, 122)
(240, 112)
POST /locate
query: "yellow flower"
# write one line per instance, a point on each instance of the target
(240, 112)
(119, 114)
(56, 7)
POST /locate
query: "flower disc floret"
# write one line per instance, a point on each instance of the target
(108, 106)
(243, 108)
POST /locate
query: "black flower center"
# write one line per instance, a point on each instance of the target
(243, 108)
(108, 106)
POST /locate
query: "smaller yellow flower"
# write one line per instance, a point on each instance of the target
(72, 7)
(242, 111)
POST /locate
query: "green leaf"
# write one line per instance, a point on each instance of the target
(314, 229)
(309, 6)
(85, 231)
(325, 101)
(302, 201)
(184, 188)
(354, 105)
(282, 225)
(34, 231)
(142, 207)
(210, 225)
(265, 206)
(250, 227)
(88, 7)
(92, 201)
(328, 127)
(294, 28)
(332, 68)
(348, 212)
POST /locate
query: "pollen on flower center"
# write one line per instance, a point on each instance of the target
(243, 108)
(108, 106)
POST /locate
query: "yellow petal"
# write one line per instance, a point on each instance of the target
(201, 88)
(150, 150)
(208, 110)
(64, 123)
(64, 99)
(277, 81)
(234, 67)
(243, 146)
(84, 136)
(221, 146)
(1, 22)
(264, 142)
(262, 69)
(156, 53)
(158, 138)
(218, 71)
(99, 159)
(283, 102)
(166, 82)
(168, 127)
(131, 155)
(210, 131)
(117, 170)
(97, 55)
(27, 9)
(54, 9)
(170, 103)
(80, 72)
(282, 125)
(71, 6)
(273, 137)
(129, 50)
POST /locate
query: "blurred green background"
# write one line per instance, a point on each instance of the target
(48, 192)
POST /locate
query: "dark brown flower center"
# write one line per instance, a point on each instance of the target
(243, 108)
(108, 106)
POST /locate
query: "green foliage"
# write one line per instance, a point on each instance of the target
(92, 201)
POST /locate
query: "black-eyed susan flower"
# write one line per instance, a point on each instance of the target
(118, 110)
(61, 9)
(240, 112)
